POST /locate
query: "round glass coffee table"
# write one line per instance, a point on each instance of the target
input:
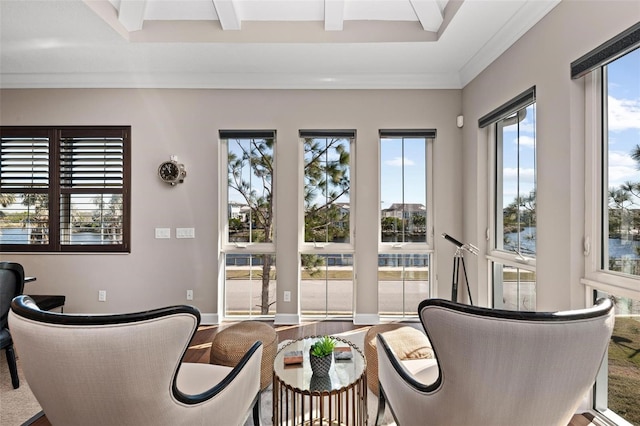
(302, 398)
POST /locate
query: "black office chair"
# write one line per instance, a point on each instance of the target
(11, 285)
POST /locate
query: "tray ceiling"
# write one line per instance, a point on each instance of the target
(317, 44)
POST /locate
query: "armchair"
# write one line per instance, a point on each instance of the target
(497, 367)
(11, 285)
(127, 369)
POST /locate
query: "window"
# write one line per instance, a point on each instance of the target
(249, 226)
(514, 288)
(326, 288)
(403, 281)
(513, 208)
(65, 189)
(405, 220)
(327, 285)
(621, 377)
(621, 168)
(327, 184)
(612, 139)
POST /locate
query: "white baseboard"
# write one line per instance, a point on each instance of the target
(286, 319)
(366, 319)
(209, 319)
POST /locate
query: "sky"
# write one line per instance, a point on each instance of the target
(624, 132)
(624, 118)
(408, 158)
(402, 157)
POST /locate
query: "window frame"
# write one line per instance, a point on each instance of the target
(252, 248)
(54, 189)
(328, 247)
(407, 250)
(428, 247)
(504, 257)
(592, 67)
(596, 159)
(498, 259)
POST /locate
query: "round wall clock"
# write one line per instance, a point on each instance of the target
(172, 172)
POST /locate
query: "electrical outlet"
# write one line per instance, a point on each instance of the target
(287, 296)
(102, 295)
(189, 294)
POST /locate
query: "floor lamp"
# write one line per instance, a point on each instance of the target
(458, 259)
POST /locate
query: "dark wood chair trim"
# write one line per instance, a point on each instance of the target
(382, 403)
(25, 306)
(411, 381)
(196, 399)
(18, 270)
(600, 308)
(47, 302)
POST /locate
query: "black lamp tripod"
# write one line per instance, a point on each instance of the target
(458, 259)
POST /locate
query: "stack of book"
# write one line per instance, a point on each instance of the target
(293, 357)
(341, 353)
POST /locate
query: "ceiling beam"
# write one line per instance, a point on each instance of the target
(428, 13)
(333, 15)
(227, 15)
(131, 14)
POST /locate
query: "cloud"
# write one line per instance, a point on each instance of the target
(399, 161)
(622, 168)
(624, 114)
(528, 141)
(526, 175)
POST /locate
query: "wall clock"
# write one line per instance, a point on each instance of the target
(172, 172)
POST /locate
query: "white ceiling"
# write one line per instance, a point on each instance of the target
(316, 44)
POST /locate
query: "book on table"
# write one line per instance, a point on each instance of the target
(292, 357)
(342, 353)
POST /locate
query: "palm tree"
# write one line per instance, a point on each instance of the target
(7, 199)
(618, 197)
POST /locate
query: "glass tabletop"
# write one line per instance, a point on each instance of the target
(341, 374)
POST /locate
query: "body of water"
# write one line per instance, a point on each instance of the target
(618, 249)
(21, 236)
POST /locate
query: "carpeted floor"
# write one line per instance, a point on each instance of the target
(16, 405)
(19, 405)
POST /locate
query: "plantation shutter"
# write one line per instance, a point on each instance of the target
(92, 173)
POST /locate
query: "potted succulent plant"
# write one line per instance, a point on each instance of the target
(321, 355)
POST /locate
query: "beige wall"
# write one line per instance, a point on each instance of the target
(542, 58)
(186, 123)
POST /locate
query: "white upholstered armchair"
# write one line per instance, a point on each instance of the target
(127, 369)
(497, 367)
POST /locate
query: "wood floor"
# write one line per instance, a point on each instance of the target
(201, 344)
(199, 349)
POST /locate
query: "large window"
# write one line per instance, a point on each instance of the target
(326, 288)
(406, 224)
(513, 209)
(327, 184)
(621, 377)
(250, 266)
(65, 189)
(326, 285)
(621, 168)
(612, 217)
